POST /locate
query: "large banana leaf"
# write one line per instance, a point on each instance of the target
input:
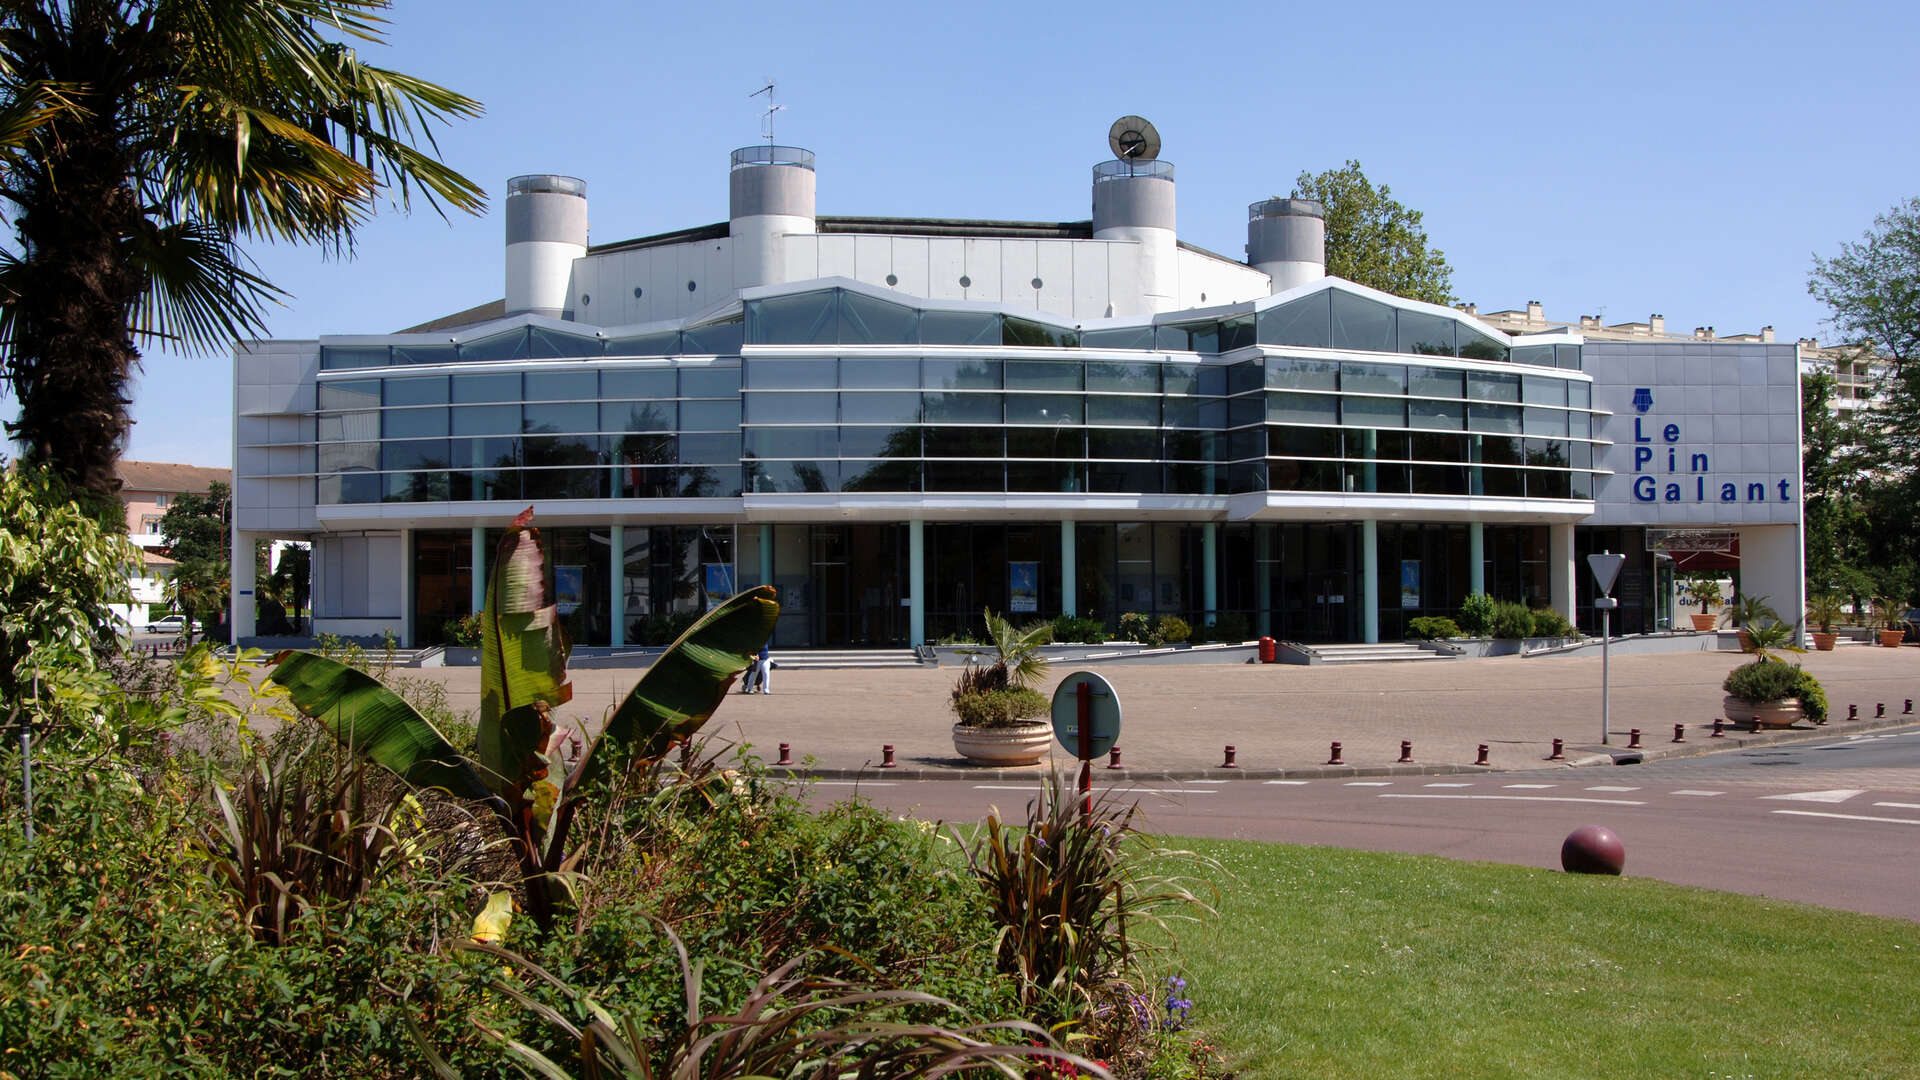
(523, 660)
(686, 684)
(368, 717)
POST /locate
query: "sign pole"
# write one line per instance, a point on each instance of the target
(1606, 570)
(1606, 680)
(1083, 706)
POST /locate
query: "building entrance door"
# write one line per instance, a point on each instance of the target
(1328, 618)
(858, 576)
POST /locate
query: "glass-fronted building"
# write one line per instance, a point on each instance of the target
(900, 422)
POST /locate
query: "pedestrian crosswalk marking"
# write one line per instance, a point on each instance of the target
(1369, 783)
(1291, 783)
(1520, 798)
(1899, 805)
(1606, 787)
(1837, 795)
(1449, 785)
(1702, 794)
(1850, 817)
(1531, 787)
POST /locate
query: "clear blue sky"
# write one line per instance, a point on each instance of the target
(1616, 159)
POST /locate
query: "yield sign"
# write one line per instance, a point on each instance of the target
(1606, 568)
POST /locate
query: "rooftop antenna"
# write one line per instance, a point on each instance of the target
(766, 118)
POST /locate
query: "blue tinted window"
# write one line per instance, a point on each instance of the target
(424, 354)
(511, 345)
(1359, 323)
(959, 328)
(709, 381)
(1307, 322)
(866, 321)
(656, 382)
(659, 343)
(425, 390)
(562, 385)
(335, 357)
(1124, 337)
(638, 416)
(552, 344)
(720, 339)
(807, 319)
(1426, 335)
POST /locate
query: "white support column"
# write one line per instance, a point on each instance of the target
(617, 584)
(406, 589)
(1476, 557)
(241, 613)
(1561, 570)
(1370, 581)
(1209, 570)
(917, 583)
(1771, 565)
(1069, 572)
(479, 571)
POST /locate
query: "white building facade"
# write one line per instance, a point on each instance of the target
(900, 422)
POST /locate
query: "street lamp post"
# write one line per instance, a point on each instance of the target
(1606, 568)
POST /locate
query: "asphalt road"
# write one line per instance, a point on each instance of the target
(1834, 822)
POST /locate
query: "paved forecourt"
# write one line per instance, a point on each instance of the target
(1178, 718)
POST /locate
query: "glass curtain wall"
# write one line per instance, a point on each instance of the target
(442, 582)
(1422, 571)
(1636, 588)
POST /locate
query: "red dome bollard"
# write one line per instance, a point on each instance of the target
(1557, 755)
(1113, 759)
(786, 754)
(1228, 762)
(1718, 733)
(1679, 733)
(1908, 711)
(1335, 758)
(1268, 652)
(1482, 759)
(1879, 710)
(1592, 849)
(1853, 712)
(1406, 751)
(886, 756)
(1633, 738)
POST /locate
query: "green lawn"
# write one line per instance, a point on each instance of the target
(1331, 963)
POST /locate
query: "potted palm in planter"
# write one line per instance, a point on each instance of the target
(1769, 692)
(1748, 610)
(1892, 633)
(1823, 611)
(1706, 592)
(1001, 718)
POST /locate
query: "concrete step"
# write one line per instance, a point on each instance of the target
(1382, 653)
(791, 659)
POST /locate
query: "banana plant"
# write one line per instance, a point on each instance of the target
(518, 767)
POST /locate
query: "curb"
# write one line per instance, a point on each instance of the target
(1578, 757)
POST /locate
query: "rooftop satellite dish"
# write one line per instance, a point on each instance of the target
(1132, 138)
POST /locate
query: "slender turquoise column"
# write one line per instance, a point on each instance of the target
(1476, 557)
(1263, 580)
(917, 583)
(766, 554)
(1370, 581)
(1069, 573)
(479, 567)
(1209, 570)
(617, 584)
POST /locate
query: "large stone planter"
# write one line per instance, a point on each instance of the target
(1824, 642)
(1777, 714)
(1022, 744)
(1704, 622)
(1892, 638)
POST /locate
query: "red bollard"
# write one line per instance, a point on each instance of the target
(786, 754)
(1335, 759)
(1557, 755)
(1879, 709)
(1679, 733)
(1113, 759)
(1482, 759)
(1908, 711)
(1633, 738)
(1268, 652)
(886, 756)
(1853, 712)
(1718, 733)
(1406, 751)
(1229, 762)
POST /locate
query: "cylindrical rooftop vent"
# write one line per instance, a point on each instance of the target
(1133, 200)
(1287, 241)
(546, 231)
(770, 196)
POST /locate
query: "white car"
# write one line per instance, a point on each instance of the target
(172, 624)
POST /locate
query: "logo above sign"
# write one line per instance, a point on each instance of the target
(1642, 399)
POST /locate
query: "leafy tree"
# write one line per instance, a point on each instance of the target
(195, 530)
(1835, 470)
(1872, 288)
(1375, 241)
(140, 142)
(293, 579)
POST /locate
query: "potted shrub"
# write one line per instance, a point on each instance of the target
(1705, 592)
(1001, 719)
(1823, 611)
(1887, 622)
(1748, 610)
(1769, 692)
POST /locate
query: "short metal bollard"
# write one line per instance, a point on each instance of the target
(1482, 759)
(1908, 711)
(1679, 733)
(786, 754)
(1228, 762)
(1406, 751)
(1557, 754)
(1633, 738)
(1113, 759)
(1334, 759)
(1718, 732)
(1879, 709)
(1853, 712)
(886, 756)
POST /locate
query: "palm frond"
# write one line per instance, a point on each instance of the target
(200, 295)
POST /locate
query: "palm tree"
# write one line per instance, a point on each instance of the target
(140, 142)
(1017, 651)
